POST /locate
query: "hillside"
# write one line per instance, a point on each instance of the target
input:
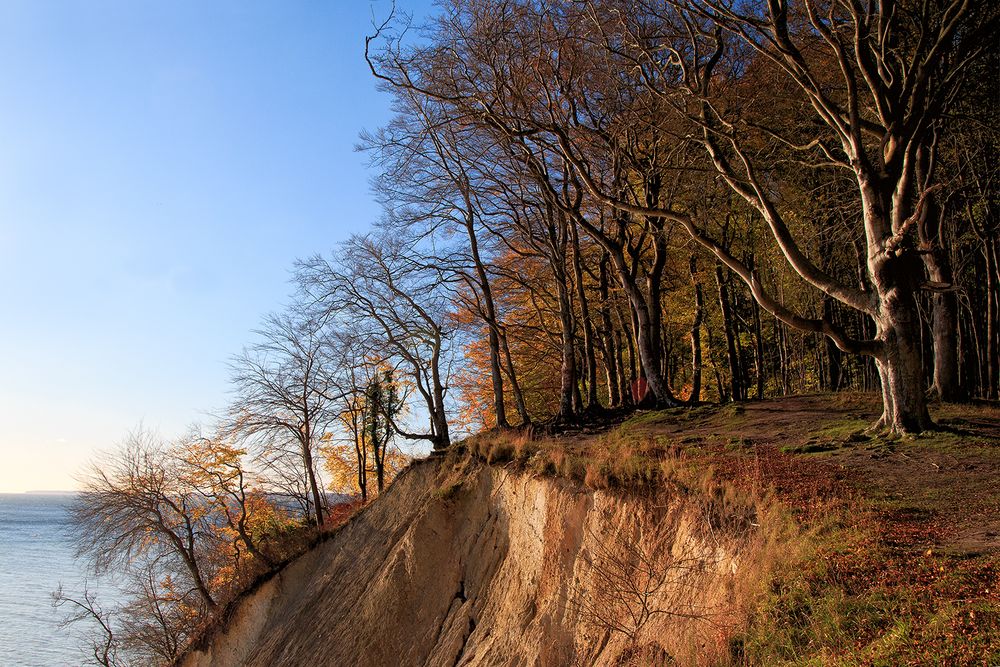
(764, 533)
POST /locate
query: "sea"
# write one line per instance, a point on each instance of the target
(36, 556)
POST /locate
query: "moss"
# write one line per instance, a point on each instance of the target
(450, 491)
(810, 447)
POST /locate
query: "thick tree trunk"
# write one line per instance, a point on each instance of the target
(896, 276)
(904, 403)
(895, 271)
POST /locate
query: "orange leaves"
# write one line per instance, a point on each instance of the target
(340, 462)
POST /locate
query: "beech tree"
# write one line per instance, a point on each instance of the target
(432, 179)
(653, 105)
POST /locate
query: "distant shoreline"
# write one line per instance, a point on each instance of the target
(38, 493)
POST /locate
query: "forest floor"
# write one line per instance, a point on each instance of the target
(904, 562)
(942, 487)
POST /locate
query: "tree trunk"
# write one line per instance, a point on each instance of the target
(609, 349)
(735, 373)
(992, 320)
(944, 321)
(567, 374)
(835, 358)
(647, 321)
(489, 308)
(380, 467)
(589, 357)
(515, 386)
(627, 373)
(904, 400)
(699, 308)
(720, 386)
(441, 439)
(759, 349)
(311, 473)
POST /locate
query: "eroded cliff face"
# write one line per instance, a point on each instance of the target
(483, 566)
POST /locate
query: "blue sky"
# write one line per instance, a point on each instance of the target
(161, 166)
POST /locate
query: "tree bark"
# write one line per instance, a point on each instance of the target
(515, 385)
(609, 348)
(896, 277)
(735, 371)
(699, 308)
(489, 312)
(835, 358)
(589, 357)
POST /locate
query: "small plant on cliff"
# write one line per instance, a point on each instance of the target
(637, 575)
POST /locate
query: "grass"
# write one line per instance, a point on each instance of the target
(621, 458)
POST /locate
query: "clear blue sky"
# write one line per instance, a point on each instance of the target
(161, 166)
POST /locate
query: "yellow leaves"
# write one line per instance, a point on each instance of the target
(341, 464)
(263, 516)
(209, 462)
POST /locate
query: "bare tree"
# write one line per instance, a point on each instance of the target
(283, 396)
(133, 510)
(431, 180)
(105, 648)
(637, 578)
(383, 291)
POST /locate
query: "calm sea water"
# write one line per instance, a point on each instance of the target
(36, 554)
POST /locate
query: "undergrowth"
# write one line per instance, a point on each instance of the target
(860, 600)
